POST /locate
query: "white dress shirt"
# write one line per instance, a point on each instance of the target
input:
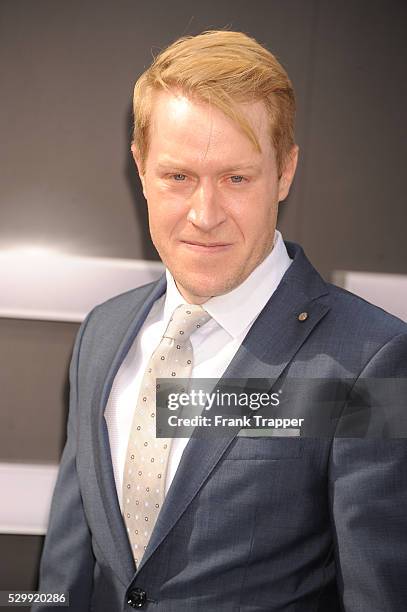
(214, 345)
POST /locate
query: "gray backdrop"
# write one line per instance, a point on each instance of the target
(67, 179)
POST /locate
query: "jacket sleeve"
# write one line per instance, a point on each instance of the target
(368, 497)
(67, 562)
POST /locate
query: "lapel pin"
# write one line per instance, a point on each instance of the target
(303, 316)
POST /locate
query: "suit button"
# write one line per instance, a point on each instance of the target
(137, 598)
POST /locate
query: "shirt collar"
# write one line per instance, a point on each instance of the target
(237, 309)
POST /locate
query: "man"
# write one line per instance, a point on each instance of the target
(248, 523)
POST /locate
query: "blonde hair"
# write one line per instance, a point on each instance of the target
(222, 68)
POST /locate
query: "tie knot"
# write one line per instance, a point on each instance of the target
(186, 319)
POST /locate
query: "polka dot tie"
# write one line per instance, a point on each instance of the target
(147, 456)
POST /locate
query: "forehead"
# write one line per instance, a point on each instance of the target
(188, 128)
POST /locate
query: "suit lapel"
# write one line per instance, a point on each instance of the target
(272, 342)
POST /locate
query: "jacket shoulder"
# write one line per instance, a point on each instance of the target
(361, 315)
(120, 309)
(127, 299)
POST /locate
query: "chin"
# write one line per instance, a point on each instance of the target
(205, 287)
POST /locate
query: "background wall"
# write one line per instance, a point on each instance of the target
(68, 182)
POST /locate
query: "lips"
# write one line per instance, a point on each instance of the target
(206, 247)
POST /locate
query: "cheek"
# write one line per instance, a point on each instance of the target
(254, 216)
(163, 217)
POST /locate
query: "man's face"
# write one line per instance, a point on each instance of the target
(212, 197)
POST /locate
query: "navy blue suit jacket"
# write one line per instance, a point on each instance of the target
(250, 524)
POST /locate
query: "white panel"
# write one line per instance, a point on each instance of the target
(26, 497)
(389, 291)
(43, 284)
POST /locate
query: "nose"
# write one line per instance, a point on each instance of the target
(206, 211)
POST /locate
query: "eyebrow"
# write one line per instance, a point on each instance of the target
(169, 164)
(241, 167)
(180, 166)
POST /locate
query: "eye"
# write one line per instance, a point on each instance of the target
(179, 177)
(237, 178)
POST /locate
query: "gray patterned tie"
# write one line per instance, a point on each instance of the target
(147, 456)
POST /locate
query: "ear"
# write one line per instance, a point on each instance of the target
(140, 167)
(287, 176)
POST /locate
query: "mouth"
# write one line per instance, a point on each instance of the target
(206, 247)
